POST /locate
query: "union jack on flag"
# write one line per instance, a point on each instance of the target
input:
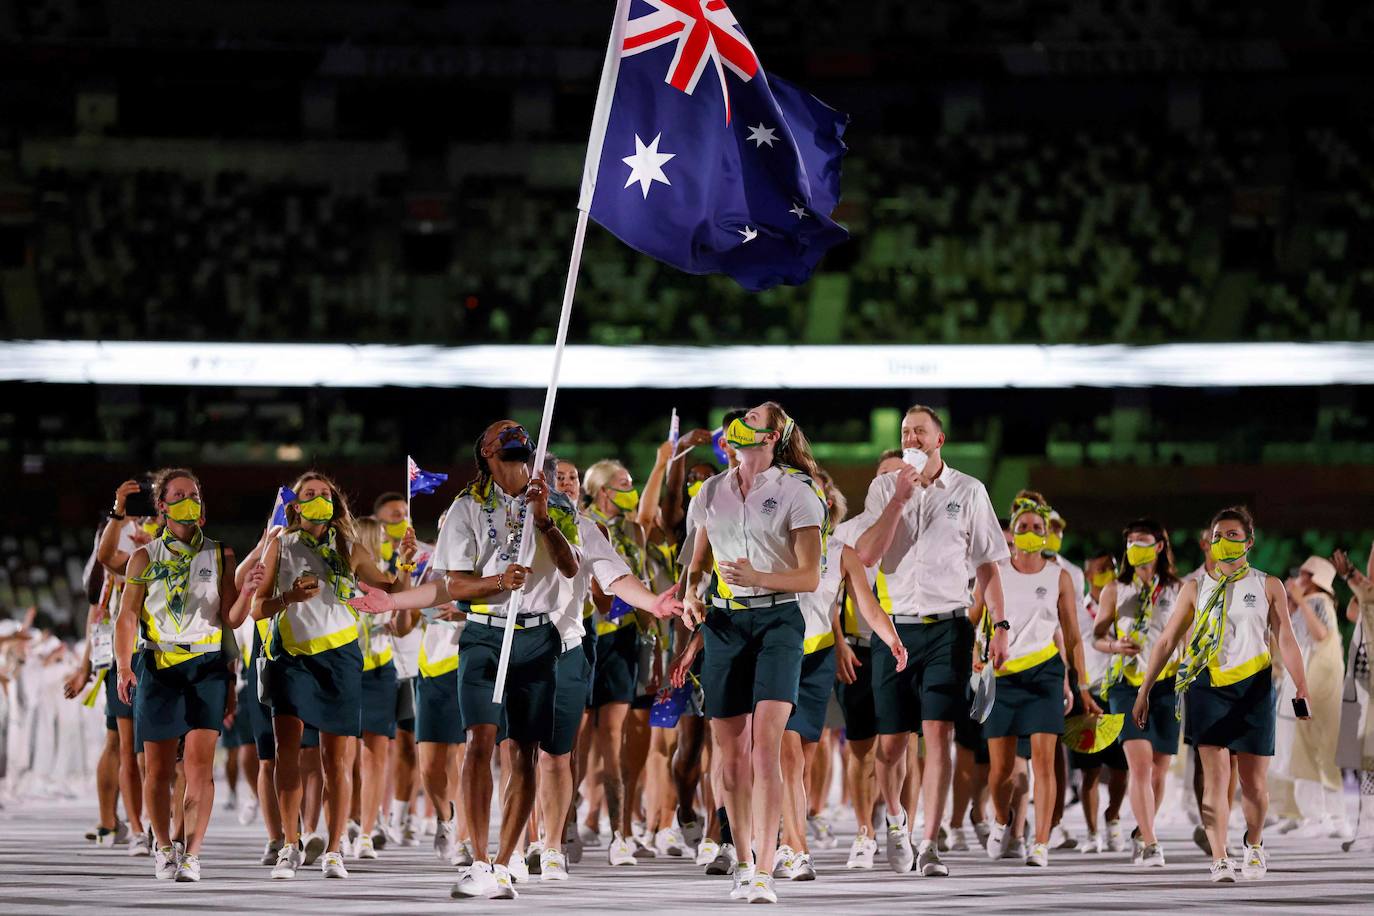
(422, 481)
(740, 178)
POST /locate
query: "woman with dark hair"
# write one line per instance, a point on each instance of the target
(762, 523)
(1131, 617)
(180, 595)
(315, 672)
(1227, 680)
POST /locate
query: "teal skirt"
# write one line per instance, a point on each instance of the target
(1240, 717)
(379, 700)
(325, 691)
(169, 702)
(1029, 702)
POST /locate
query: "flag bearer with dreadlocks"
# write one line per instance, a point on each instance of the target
(1229, 687)
(1132, 614)
(180, 595)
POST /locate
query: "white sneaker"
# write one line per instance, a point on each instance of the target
(165, 863)
(692, 832)
(928, 864)
(269, 852)
(899, 855)
(998, 841)
(231, 801)
(289, 858)
(572, 844)
(642, 850)
(505, 883)
(621, 851)
(1039, 855)
(410, 835)
(552, 866)
(464, 855)
(822, 834)
(1061, 838)
(517, 867)
(363, 848)
(1152, 856)
(958, 840)
(189, 868)
(312, 848)
(1256, 863)
(706, 851)
(446, 842)
(249, 812)
(862, 851)
(332, 864)
(744, 881)
(180, 849)
(782, 861)
(590, 838)
(1016, 850)
(726, 861)
(477, 881)
(534, 857)
(803, 868)
(670, 842)
(139, 845)
(352, 832)
(761, 890)
(982, 830)
(1114, 843)
(1223, 872)
(1288, 825)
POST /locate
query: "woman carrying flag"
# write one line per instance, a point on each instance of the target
(1225, 676)
(180, 595)
(1131, 617)
(315, 671)
(762, 523)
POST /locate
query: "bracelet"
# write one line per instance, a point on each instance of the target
(406, 567)
(500, 582)
(117, 517)
(544, 526)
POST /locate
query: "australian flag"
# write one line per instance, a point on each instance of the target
(422, 481)
(706, 162)
(284, 496)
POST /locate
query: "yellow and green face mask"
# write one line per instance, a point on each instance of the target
(1224, 550)
(186, 511)
(625, 500)
(742, 435)
(150, 528)
(1103, 577)
(317, 511)
(1054, 541)
(1141, 554)
(694, 488)
(1029, 542)
(396, 530)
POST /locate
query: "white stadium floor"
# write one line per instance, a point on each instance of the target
(46, 866)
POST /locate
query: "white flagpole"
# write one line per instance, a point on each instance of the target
(408, 461)
(600, 117)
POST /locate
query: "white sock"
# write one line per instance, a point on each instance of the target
(398, 811)
(898, 821)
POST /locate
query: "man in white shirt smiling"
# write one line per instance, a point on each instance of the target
(933, 533)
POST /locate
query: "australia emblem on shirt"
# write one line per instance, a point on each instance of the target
(205, 574)
(1041, 592)
(1249, 600)
(770, 505)
(953, 508)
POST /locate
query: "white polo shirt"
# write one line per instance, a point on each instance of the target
(945, 532)
(481, 535)
(758, 528)
(599, 559)
(847, 533)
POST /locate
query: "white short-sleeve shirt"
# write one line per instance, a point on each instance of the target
(599, 561)
(760, 527)
(481, 535)
(945, 532)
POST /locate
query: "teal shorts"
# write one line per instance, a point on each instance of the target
(856, 699)
(379, 701)
(570, 701)
(751, 656)
(170, 702)
(325, 690)
(617, 667)
(934, 686)
(242, 731)
(1029, 702)
(526, 711)
(1161, 726)
(437, 716)
(115, 708)
(1240, 717)
(813, 694)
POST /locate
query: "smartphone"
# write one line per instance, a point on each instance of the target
(1300, 708)
(140, 504)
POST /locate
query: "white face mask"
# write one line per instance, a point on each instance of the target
(916, 458)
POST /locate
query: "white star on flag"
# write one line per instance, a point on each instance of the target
(761, 135)
(798, 210)
(748, 233)
(646, 165)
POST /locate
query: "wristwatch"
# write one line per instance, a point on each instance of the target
(117, 516)
(1002, 625)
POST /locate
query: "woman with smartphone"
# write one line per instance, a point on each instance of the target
(315, 672)
(180, 596)
(1226, 684)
